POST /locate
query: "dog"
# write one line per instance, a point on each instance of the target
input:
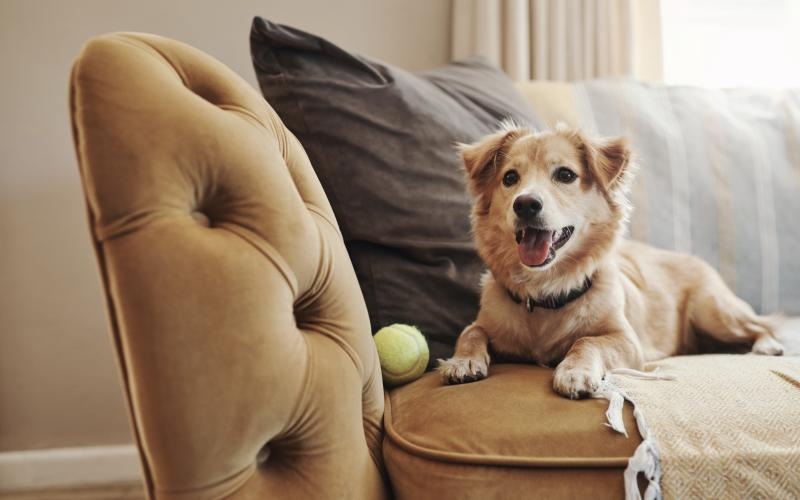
(564, 288)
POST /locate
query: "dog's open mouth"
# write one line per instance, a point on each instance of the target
(537, 247)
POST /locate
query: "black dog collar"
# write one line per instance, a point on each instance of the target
(553, 301)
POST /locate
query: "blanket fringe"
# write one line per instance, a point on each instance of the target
(646, 458)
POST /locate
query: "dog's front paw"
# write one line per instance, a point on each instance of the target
(576, 381)
(463, 370)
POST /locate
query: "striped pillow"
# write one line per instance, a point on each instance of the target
(719, 173)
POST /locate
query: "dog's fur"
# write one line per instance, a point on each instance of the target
(644, 303)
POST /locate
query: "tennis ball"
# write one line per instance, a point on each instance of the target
(403, 353)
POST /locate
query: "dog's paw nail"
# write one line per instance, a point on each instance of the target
(576, 383)
(461, 371)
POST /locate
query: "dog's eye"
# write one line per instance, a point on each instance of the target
(510, 178)
(565, 175)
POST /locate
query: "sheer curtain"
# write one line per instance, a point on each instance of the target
(561, 39)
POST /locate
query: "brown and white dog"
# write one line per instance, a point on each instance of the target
(563, 286)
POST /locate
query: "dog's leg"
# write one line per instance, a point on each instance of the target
(715, 310)
(583, 368)
(470, 362)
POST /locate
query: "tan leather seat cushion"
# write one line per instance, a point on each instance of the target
(508, 435)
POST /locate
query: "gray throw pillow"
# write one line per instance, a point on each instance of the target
(381, 140)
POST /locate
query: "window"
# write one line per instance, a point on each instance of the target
(732, 43)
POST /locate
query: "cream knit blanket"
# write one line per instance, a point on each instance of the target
(727, 427)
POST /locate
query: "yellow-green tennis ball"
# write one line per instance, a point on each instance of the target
(403, 353)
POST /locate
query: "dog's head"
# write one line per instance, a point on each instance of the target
(546, 202)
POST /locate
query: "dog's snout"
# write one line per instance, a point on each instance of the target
(527, 206)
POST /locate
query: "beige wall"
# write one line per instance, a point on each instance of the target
(58, 380)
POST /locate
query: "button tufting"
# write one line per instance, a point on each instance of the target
(201, 218)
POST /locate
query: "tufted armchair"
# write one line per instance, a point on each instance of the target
(243, 340)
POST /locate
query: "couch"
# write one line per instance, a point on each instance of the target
(243, 341)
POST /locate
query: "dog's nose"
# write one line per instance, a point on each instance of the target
(527, 206)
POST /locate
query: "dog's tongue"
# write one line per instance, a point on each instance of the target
(534, 247)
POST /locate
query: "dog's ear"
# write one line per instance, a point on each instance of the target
(608, 160)
(611, 160)
(482, 158)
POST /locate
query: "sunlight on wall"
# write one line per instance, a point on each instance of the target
(732, 43)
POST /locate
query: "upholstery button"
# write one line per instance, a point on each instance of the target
(201, 218)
